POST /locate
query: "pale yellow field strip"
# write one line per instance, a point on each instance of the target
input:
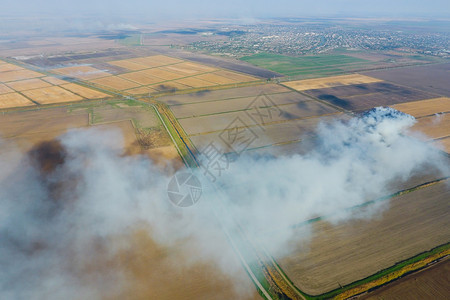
(189, 68)
(444, 144)
(142, 61)
(140, 91)
(116, 83)
(82, 72)
(166, 75)
(327, 82)
(211, 77)
(181, 69)
(434, 127)
(154, 61)
(9, 67)
(129, 65)
(2, 62)
(169, 86)
(14, 100)
(198, 67)
(236, 76)
(4, 89)
(18, 75)
(50, 95)
(195, 82)
(28, 84)
(54, 80)
(425, 107)
(162, 59)
(84, 91)
(141, 78)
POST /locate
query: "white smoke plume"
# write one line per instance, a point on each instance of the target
(77, 208)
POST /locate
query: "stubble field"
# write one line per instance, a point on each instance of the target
(153, 74)
(22, 87)
(430, 283)
(339, 255)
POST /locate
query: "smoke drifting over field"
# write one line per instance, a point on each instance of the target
(72, 210)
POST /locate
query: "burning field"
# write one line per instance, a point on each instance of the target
(95, 220)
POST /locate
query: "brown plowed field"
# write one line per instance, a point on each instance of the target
(338, 255)
(430, 283)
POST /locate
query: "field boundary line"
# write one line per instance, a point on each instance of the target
(230, 98)
(266, 124)
(243, 109)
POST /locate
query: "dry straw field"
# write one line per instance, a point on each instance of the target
(339, 255)
(20, 87)
(154, 74)
(432, 119)
(327, 82)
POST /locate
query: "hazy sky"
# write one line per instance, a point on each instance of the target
(233, 8)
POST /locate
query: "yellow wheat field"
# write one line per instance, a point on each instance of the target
(161, 60)
(28, 84)
(140, 91)
(198, 67)
(425, 107)
(84, 91)
(189, 68)
(167, 86)
(236, 76)
(434, 127)
(181, 69)
(115, 82)
(327, 82)
(154, 61)
(215, 78)
(195, 82)
(14, 100)
(129, 65)
(9, 67)
(5, 89)
(18, 75)
(54, 80)
(443, 144)
(141, 78)
(53, 94)
(163, 74)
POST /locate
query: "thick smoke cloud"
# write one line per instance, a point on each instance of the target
(66, 217)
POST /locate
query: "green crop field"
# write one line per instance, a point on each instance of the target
(132, 40)
(307, 66)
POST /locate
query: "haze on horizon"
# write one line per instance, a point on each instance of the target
(177, 9)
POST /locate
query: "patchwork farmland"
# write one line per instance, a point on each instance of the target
(21, 87)
(154, 74)
(208, 117)
(211, 105)
(272, 114)
(357, 92)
